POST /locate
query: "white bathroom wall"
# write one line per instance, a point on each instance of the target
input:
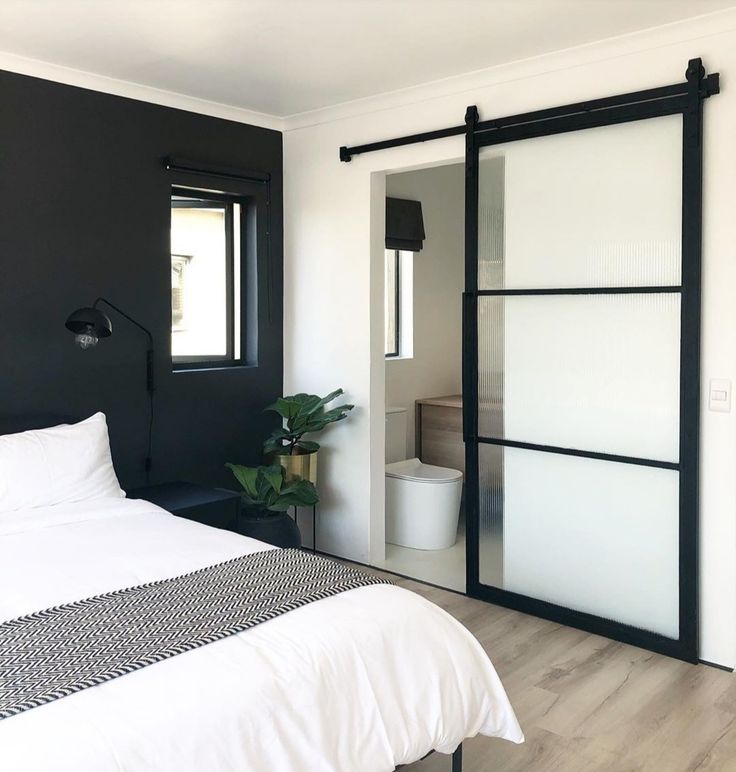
(334, 266)
(435, 367)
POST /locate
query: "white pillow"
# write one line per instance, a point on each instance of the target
(65, 463)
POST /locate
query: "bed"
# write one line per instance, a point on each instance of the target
(363, 681)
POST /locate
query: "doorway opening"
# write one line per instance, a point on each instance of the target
(425, 454)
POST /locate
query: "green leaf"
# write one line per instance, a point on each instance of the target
(276, 440)
(272, 444)
(265, 487)
(284, 406)
(332, 395)
(246, 476)
(306, 408)
(304, 414)
(299, 493)
(319, 421)
(252, 502)
(308, 446)
(330, 416)
(337, 413)
(278, 506)
(275, 476)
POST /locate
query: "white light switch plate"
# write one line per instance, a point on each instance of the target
(719, 395)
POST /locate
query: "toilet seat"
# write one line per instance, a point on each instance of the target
(413, 469)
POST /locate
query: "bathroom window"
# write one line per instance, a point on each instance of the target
(398, 304)
(392, 304)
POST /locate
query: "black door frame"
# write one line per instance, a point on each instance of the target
(683, 99)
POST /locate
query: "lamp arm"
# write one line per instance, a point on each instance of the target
(149, 377)
(149, 353)
(129, 318)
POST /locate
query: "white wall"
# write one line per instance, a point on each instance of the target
(334, 263)
(435, 367)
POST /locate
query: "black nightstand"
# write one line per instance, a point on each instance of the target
(210, 506)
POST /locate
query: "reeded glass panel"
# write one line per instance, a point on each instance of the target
(593, 372)
(593, 208)
(594, 536)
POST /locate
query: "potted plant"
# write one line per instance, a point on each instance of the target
(302, 414)
(266, 497)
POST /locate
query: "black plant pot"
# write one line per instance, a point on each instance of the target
(275, 528)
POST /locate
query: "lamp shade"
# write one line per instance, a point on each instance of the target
(89, 321)
(88, 326)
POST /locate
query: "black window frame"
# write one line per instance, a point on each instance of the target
(397, 305)
(199, 198)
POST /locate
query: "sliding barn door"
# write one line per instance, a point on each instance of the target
(581, 371)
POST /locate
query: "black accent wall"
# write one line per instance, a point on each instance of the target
(84, 211)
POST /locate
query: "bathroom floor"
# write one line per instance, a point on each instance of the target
(445, 568)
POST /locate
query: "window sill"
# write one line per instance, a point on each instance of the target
(212, 366)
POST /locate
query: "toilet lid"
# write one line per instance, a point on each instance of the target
(414, 469)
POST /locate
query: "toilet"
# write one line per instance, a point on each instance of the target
(422, 501)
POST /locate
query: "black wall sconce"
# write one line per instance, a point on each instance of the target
(89, 325)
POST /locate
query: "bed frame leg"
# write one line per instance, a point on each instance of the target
(457, 759)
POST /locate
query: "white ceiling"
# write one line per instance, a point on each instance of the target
(283, 57)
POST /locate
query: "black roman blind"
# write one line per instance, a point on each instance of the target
(404, 225)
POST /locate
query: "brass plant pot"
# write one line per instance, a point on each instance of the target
(299, 466)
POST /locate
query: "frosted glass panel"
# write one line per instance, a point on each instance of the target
(593, 372)
(594, 208)
(594, 536)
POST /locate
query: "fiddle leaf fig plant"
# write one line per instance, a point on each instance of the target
(265, 488)
(303, 414)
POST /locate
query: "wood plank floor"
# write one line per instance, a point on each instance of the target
(586, 703)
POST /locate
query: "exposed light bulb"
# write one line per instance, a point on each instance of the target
(85, 340)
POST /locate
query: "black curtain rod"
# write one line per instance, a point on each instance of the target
(214, 170)
(710, 86)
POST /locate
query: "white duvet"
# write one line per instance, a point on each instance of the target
(359, 682)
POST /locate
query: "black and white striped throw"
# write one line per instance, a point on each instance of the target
(60, 651)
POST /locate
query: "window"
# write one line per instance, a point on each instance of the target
(178, 270)
(392, 302)
(206, 323)
(399, 304)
